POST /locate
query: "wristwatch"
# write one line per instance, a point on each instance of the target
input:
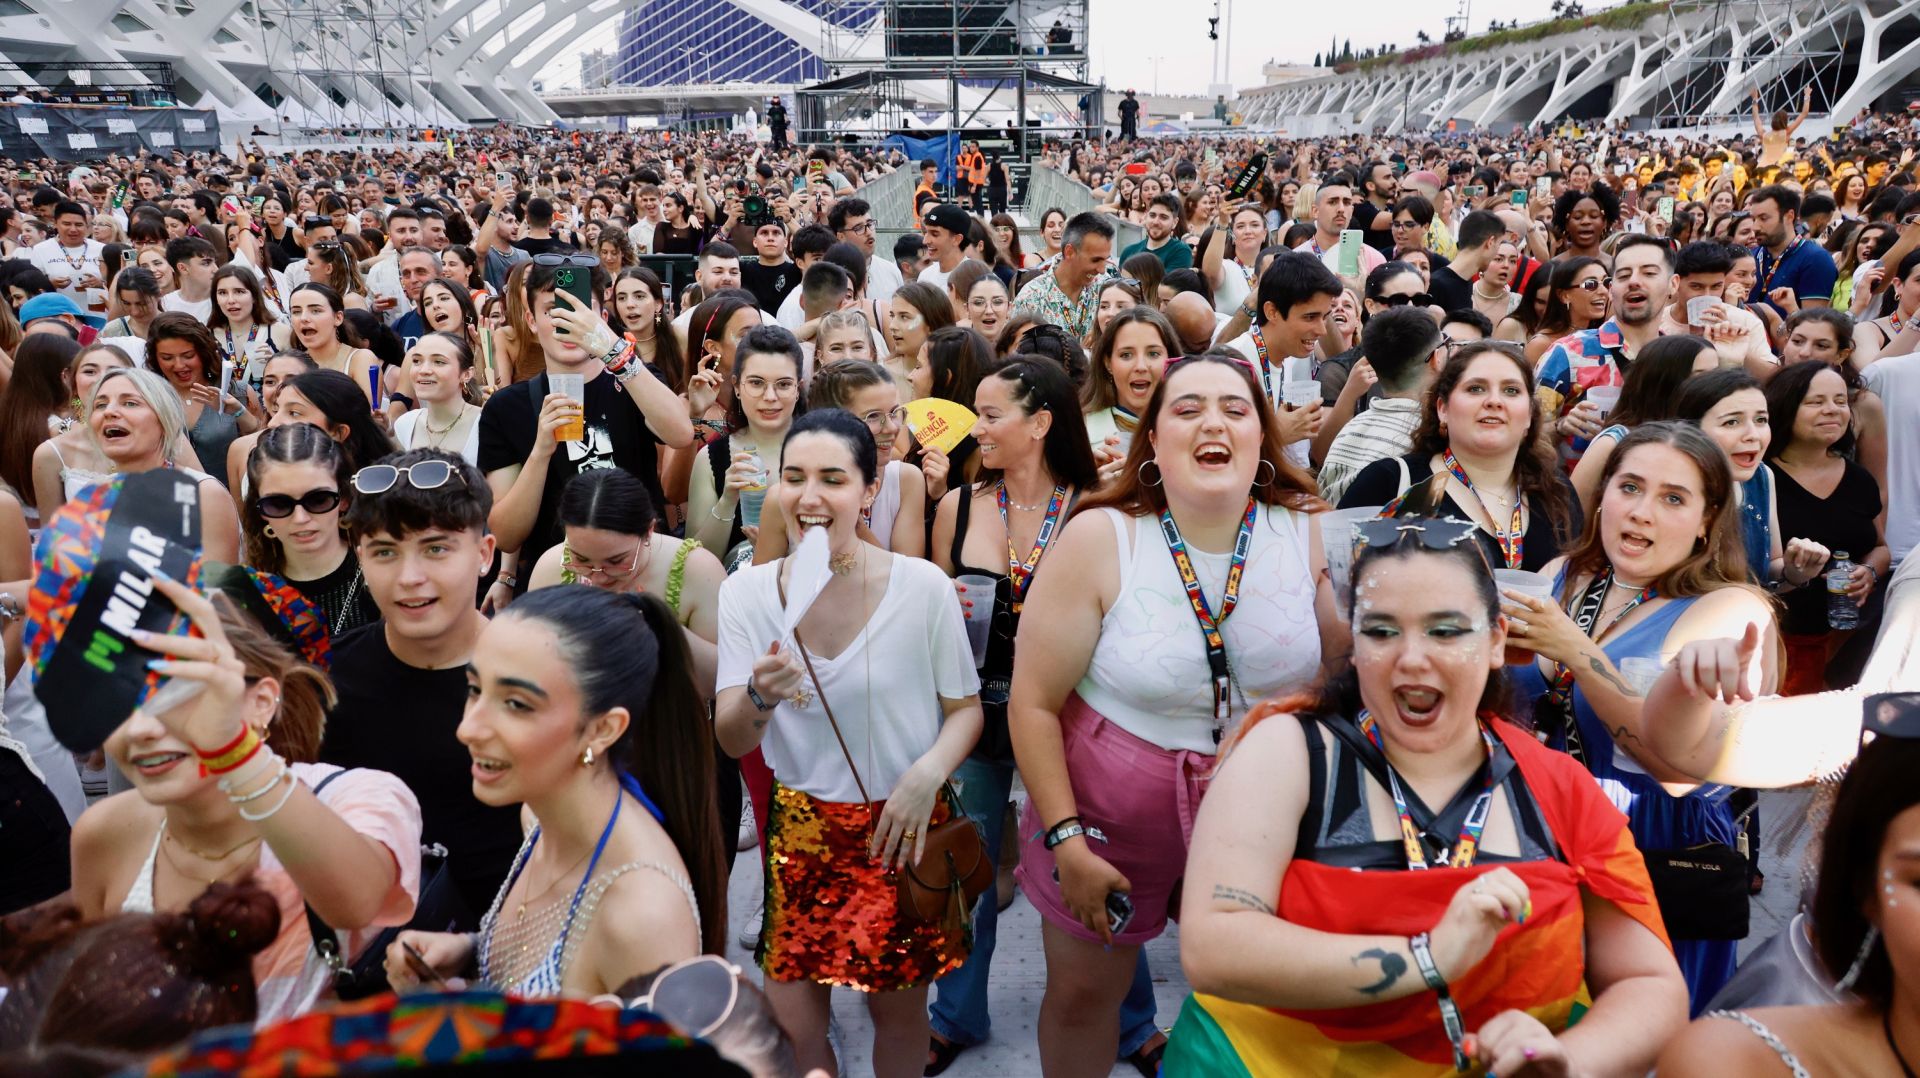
(758, 700)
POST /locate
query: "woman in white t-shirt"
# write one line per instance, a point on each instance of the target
(1229, 263)
(884, 644)
(440, 366)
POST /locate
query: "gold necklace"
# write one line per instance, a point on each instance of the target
(520, 911)
(195, 877)
(434, 436)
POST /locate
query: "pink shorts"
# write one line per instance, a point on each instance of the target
(1142, 797)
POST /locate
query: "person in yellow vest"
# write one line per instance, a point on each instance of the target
(970, 168)
(926, 194)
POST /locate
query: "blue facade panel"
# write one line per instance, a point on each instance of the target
(676, 42)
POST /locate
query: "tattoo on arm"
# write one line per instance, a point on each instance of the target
(1606, 673)
(1623, 735)
(1241, 898)
(1392, 968)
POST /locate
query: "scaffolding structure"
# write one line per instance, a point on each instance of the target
(1005, 73)
(1790, 45)
(355, 53)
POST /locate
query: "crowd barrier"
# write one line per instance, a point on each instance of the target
(91, 132)
(1048, 187)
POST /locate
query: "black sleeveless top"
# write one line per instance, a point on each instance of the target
(996, 674)
(720, 458)
(1337, 827)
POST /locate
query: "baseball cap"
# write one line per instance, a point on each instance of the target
(53, 305)
(948, 216)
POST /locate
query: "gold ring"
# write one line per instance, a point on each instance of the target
(908, 836)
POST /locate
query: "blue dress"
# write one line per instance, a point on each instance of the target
(1756, 523)
(1658, 820)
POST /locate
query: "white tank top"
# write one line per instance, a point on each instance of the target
(1149, 671)
(886, 504)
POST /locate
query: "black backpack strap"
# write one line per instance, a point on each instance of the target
(326, 942)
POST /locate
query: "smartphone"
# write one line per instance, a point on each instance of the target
(502, 179)
(1518, 199)
(254, 203)
(1350, 241)
(119, 196)
(226, 381)
(418, 963)
(1664, 208)
(1543, 188)
(1247, 177)
(576, 281)
(1475, 190)
(1119, 911)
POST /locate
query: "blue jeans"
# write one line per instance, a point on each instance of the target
(959, 1009)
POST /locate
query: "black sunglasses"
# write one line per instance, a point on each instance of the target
(1418, 299)
(314, 220)
(1433, 533)
(315, 502)
(425, 475)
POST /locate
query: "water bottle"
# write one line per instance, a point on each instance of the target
(1841, 611)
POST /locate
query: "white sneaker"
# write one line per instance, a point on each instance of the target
(749, 835)
(749, 937)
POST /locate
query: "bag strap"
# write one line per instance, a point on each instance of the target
(1406, 478)
(317, 927)
(821, 695)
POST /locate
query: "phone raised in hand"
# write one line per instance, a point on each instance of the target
(1248, 176)
(576, 281)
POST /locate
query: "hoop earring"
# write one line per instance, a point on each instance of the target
(1273, 473)
(1140, 473)
(1852, 976)
(586, 758)
(268, 530)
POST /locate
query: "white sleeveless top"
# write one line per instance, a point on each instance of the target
(886, 504)
(1149, 671)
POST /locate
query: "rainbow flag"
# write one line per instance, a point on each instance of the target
(1535, 967)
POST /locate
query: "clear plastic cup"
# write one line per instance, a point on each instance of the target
(574, 388)
(1605, 398)
(1336, 537)
(754, 496)
(1538, 585)
(979, 614)
(1299, 394)
(1641, 672)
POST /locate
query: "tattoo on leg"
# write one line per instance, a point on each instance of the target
(1241, 898)
(1392, 968)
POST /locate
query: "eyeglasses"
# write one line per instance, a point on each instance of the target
(782, 387)
(1406, 224)
(1594, 284)
(1417, 299)
(864, 226)
(697, 995)
(325, 245)
(426, 475)
(893, 419)
(612, 572)
(315, 502)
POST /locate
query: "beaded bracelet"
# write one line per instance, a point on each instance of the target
(277, 805)
(265, 788)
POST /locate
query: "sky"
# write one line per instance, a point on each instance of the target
(1138, 42)
(1128, 34)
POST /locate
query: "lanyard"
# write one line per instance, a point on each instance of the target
(1461, 855)
(237, 355)
(77, 263)
(1266, 362)
(1585, 616)
(1229, 598)
(1513, 541)
(272, 290)
(1020, 573)
(1767, 285)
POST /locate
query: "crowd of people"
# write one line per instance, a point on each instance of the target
(1422, 548)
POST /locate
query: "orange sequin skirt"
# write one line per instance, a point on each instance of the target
(832, 915)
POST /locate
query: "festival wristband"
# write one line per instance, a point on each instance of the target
(1449, 1010)
(759, 702)
(619, 360)
(232, 754)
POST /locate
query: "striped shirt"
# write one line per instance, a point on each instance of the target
(1384, 430)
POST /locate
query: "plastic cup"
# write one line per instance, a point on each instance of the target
(1538, 585)
(1641, 672)
(1605, 398)
(1697, 309)
(1123, 441)
(980, 591)
(1336, 537)
(1299, 394)
(574, 388)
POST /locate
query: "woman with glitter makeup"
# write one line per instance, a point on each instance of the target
(864, 710)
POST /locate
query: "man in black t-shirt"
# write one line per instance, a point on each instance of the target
(539, 239)
(1452, 285)
(402, 680)
(628, 412)
(773, 275)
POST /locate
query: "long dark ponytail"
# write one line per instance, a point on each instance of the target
(668, 744)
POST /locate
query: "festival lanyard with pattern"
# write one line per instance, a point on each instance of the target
(235, 354)
(1586, 616)
(1019, 573)
(1766, 286)
(77, 263)
(1266, 363)
(1513, 541)
(1229, 598)
(1461, 856)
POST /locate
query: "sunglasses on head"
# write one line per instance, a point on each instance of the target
(425, 475)
(581, 261)
(315, 502)
(1429, 533)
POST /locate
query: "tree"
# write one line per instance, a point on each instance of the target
(1316, 59)
(1346, 52)
(1422, 38)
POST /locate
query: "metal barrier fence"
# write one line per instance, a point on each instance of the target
(1047, 188)
(891, 197)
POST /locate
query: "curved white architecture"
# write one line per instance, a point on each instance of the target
(1723, 49)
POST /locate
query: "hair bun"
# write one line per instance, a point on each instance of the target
(226, 926)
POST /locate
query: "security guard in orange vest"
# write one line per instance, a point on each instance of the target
(971, 167)
(925, 195)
